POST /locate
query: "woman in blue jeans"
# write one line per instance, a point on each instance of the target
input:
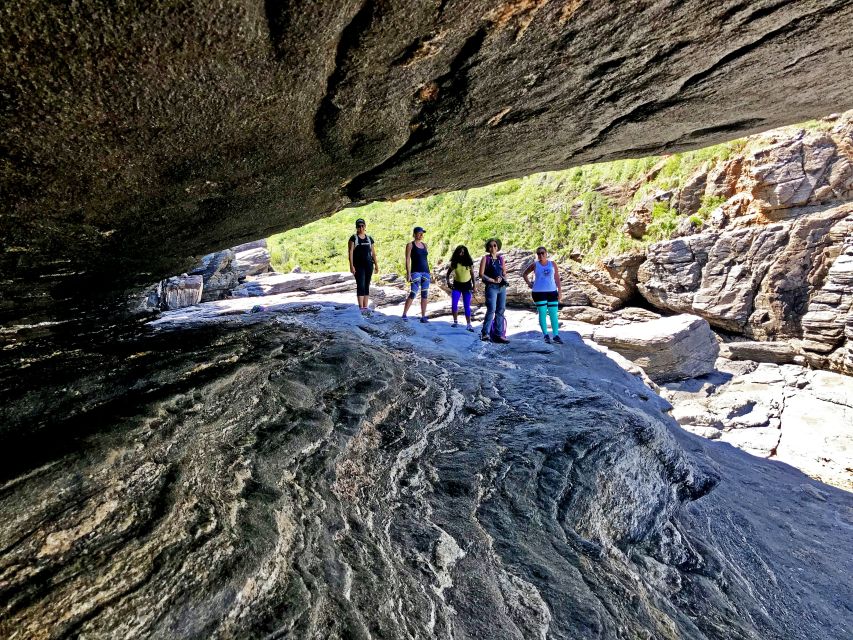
(493, 275)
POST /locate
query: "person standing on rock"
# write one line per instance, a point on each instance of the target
(417, 272)
(493, 275)
(462, 270)
(547, 291)
(362, 263)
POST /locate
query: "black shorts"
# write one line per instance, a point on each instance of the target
(463, 286)
(547, 296)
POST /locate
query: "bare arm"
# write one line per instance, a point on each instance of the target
(527, 272)
(409, 262)
(350, 250)
(375, 263)
(473, 280)
(557, 280)
(483, 268)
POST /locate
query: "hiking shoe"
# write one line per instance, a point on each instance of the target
(557, 340)
(484, 337)
(469, 328)
(405, 318)
(424, 319)
(500, 340)
(454, 324)
(547, 339)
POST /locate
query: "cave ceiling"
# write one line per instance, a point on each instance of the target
(139, 135)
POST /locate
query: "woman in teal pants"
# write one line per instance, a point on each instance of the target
(547, 290)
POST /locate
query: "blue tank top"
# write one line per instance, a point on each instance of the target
(419, 259)
(544, 277)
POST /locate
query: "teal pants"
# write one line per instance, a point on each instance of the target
(548, 310)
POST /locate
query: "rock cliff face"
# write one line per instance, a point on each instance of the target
(276, 479)
(141, 135)
(774, 261)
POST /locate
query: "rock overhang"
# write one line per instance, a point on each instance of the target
(139, 137)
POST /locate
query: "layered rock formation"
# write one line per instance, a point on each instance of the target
(140, 136)
(774, 262)
(288, 479)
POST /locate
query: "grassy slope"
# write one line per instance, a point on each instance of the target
(526, 212)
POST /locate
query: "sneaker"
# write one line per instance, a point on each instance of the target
(547, 339)
(469, 328)
(424, 319)
(484, 337)
(454, 324)
(557, 340)
(405, 318)
(501, 340)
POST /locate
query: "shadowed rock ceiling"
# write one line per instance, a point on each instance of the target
(137, 135)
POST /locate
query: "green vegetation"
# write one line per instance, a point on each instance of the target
(576, 210)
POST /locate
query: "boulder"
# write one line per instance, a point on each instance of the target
(782, 352)
(640, 216)
(251, 259)
(278, 283)
(690, 196)
(219, 275)
(722, 180)
(180, 291)
(673, 348)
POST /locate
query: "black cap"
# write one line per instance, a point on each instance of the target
(419, 230)
(360, 221)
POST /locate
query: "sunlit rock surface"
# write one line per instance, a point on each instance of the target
(271, 474)
(140, 135)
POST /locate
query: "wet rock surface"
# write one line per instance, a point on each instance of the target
(279, 475)
(128, 155)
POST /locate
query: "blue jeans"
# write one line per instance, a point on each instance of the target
(495, 306)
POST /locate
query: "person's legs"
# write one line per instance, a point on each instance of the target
(500, 308)
(424, 293)
(466, 300)
(542, 310)
(491, 298)
(367, 276)
(360, 286)
(454, 305)
(553, 308)
(415, 286)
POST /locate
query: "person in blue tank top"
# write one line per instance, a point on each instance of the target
(547, 290)
(417, 272)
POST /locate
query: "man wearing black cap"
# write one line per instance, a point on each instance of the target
(362, 262)
(417, 272)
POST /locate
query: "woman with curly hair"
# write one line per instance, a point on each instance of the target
(462, 271)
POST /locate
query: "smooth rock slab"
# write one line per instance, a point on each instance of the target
(817, 437)
(668, 349)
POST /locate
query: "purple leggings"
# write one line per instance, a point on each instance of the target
(466, 300)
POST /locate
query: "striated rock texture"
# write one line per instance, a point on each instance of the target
(272, 480)
(140, 135)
